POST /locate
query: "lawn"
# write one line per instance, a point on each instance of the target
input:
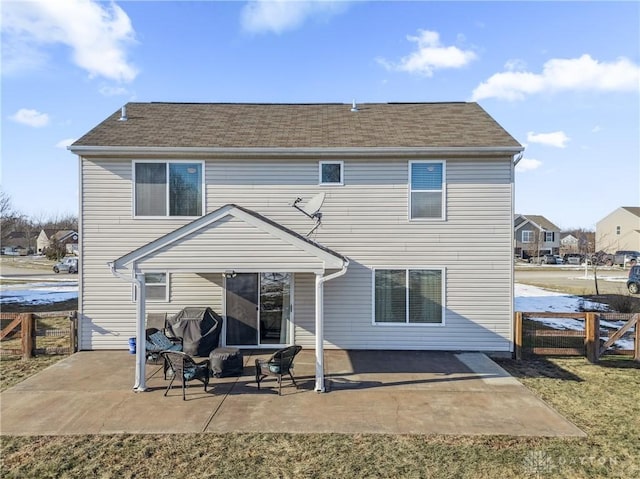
(603, 400)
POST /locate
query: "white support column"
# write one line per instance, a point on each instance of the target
(141, 347)
(319, 334)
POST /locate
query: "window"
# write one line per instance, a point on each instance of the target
(331, 172)
(168, 189)
(156, 287)
(548, 236)
(408, 296)
(426, 181)
(527, 236)
(618, 230)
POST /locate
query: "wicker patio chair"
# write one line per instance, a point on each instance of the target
(184, 367)
(279, 364)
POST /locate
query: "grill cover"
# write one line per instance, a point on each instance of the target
(199, 329)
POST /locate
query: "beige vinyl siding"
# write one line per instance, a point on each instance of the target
(365, 220)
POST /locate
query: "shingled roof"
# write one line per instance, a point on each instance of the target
(243, 125)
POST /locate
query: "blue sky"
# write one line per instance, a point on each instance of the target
(563, 78)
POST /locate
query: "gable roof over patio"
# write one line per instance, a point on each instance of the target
(232, 238)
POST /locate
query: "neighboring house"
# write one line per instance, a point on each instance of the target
(68, 238)
(619, 230)
(44, 239)
(193, 205)
(569, 244)
(17, 240)
(535, 235)
(578, 241)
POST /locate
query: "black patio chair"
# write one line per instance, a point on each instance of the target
(184, 367)
(279, 364)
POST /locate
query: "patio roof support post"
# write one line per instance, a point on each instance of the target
(141, 346)
(320, 280)
(319, 334)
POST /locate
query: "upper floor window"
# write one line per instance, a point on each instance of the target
(618, 230)
(168, 189)
(331, 173)
(527, 236)
(426, 184)
(548, 236)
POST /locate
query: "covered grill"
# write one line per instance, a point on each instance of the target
(199, 329)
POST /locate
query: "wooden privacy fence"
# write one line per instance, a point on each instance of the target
(592, 340)
(29, 334)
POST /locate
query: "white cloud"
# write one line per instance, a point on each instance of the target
(596, 129)
(113, 91)
(528, 164)
(277, 16)
(558, 74)
(557, 138)
(64, 143)
(30, 117)
(431, 55)
(97, 35)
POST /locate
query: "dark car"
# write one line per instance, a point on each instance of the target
(633, 283)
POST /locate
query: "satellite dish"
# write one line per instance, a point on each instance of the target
(312, 209)
(314, 204)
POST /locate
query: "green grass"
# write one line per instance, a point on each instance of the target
(603, 400)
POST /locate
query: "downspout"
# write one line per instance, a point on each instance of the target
(141, 347)
(320, 280)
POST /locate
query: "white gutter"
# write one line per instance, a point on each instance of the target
(320, 280)
(139, 384)
(293, 152)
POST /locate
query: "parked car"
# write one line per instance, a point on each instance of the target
(559, 259)
(633, 283)
(573, 258)
(543, 259)
(69, 265)
(622, 258)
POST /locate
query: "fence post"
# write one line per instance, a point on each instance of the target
(636, 343)
(73, 331)
(592, 337)
(27, 335)
(517, 341)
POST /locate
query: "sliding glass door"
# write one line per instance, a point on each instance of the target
(258, 309)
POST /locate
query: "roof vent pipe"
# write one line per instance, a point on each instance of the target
(354, 107)
(123, 113)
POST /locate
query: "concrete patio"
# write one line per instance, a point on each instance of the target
(399, 392)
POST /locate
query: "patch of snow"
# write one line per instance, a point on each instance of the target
(532, 298)
(39, 293)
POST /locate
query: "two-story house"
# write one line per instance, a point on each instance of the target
(381, 226)
(535, 235)
(619, 230)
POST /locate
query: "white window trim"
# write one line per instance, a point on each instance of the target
(443, 272)
(167, 163)
(166, 292)
(443, 191)
(333, 162)
(530, 236)
(551, 235)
